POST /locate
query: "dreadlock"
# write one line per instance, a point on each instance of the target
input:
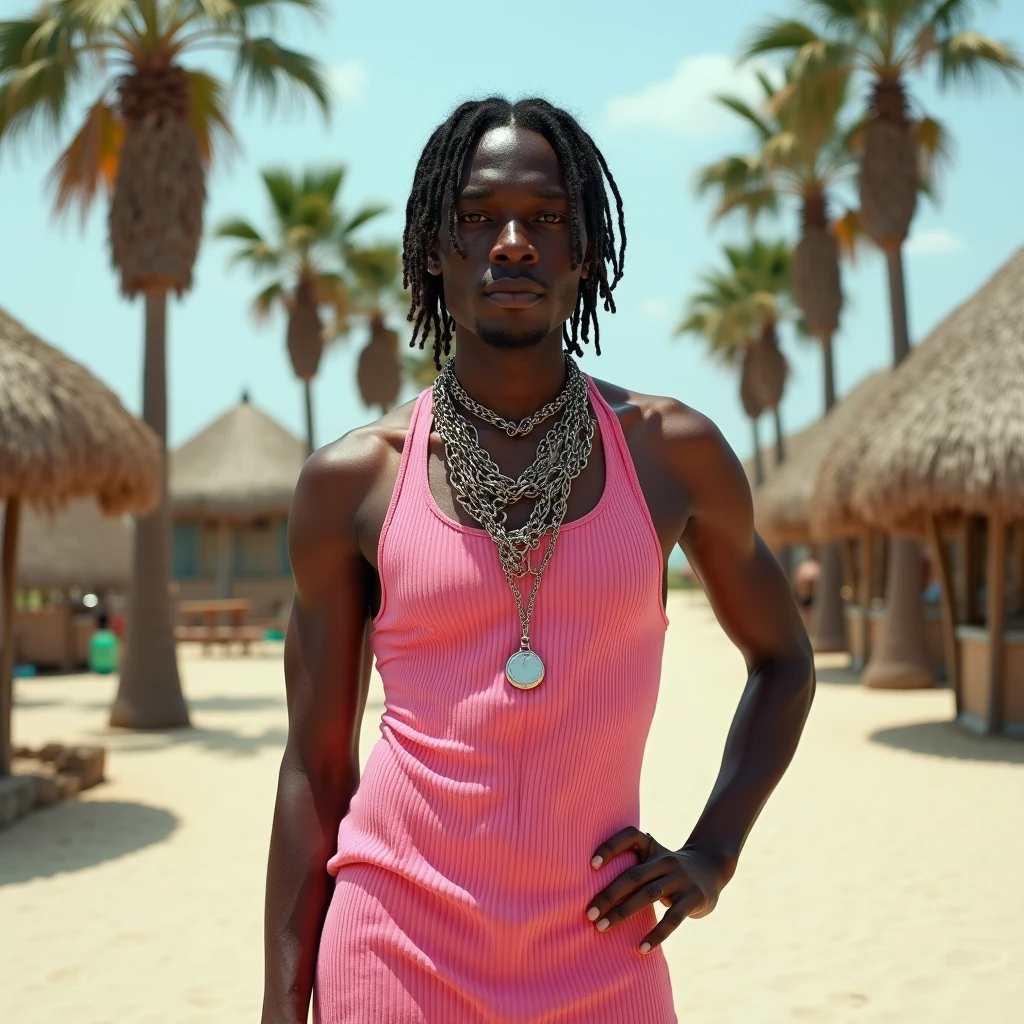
(437, 178)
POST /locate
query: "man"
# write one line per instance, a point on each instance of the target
(491, 867)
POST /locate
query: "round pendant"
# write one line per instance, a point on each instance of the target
(524, 670)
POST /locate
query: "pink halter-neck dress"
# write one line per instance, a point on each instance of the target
(462, 873)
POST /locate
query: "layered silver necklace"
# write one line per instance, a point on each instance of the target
(485, 492)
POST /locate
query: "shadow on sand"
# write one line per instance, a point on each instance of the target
(945, 739)
(78, 834)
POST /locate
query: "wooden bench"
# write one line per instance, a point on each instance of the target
(209, 631)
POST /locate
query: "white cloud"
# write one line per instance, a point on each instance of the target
(934, 242)
(683, 104)
(348, 81)
(652, 309)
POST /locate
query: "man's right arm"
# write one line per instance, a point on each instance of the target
(326, 668)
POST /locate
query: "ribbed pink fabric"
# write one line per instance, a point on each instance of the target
(463, 865)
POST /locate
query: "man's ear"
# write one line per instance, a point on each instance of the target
(434, 260)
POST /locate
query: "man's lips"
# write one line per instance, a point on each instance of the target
(513, 300)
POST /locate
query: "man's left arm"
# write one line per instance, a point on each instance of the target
(753, 602)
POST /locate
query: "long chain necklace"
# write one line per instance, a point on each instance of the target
(485, 492)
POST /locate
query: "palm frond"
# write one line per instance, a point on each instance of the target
(208, 115)
(40, 62)
(323, 181)
(90, 161)
(361, 217)
(283, 190)
(850, 234)
(952, 15)
(974, 58)
(235, 227)
(779, 34)
(737, 106)
(98, 15)
(264, 68)
(264, 303)
(934, 143)
(261, 257)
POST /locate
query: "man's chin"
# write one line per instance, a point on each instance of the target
(511, 339)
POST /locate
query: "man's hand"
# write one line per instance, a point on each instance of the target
(688, 882)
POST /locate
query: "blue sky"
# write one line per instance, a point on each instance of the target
(637, 75)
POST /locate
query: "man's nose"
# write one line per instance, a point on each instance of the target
(513, 245)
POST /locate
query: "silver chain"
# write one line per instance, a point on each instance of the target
(485, 492)
(513, 429)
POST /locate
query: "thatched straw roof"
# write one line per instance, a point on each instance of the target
(243, 464)
(782, 504)
(63, 434)
(77, 547)
(945, 434)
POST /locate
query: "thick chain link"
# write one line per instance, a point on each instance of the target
(485, 492)
(513, 429)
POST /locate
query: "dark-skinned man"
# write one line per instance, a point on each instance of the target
(499, 546)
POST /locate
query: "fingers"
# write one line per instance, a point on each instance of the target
(645, 896)
(630, 838)
(647, 878)
(682, 906)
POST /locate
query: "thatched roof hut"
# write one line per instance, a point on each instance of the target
(242, 464)
(950, 439)
(782, 503)
(64, 434)
(945, 432)
(943, 444)
(79, 546)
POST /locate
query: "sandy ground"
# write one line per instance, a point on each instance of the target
(882, 883)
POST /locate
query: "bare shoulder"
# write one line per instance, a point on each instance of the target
(672, 428)
(339, 479)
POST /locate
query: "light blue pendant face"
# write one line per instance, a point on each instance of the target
(524, 670)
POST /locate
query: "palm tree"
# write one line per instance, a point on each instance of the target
(376, 276)
(736, 312)
(884, 41)
(803, 150)
(148, 139)
(309, 237)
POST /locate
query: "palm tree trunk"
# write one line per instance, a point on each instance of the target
(898, 305)
(780, 440)
(9, 572)
(149, 693)
(900, 660)
(830, 372)
(828, 623)
(310, 446)
(758, 461)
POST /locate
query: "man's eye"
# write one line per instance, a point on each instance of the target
(472, 218)
(551, 218)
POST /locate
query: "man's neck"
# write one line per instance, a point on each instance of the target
(514, 383)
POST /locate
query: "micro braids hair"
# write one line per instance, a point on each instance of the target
(437, 179)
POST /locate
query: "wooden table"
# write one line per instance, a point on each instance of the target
(209, 631)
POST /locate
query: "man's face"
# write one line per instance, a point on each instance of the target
(515, 286)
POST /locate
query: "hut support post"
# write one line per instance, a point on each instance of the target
(963, 608)
(866, 587)
(1017, 565)
(849, 565)
(996, 616)
(972, 576)
(224, 559)
(12, 522)
(67, 660)
(948, 609)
